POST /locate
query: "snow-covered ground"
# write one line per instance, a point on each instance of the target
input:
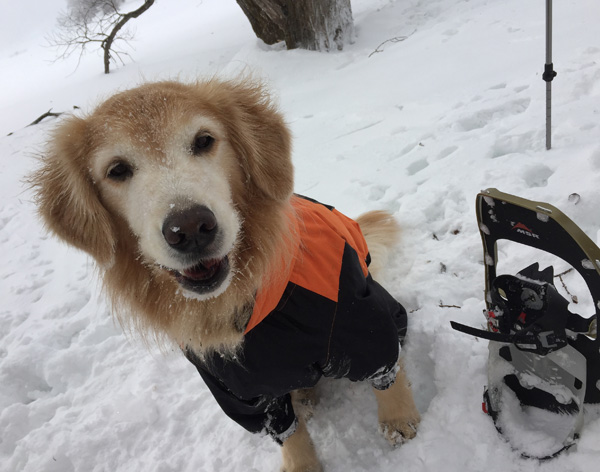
(418, 128)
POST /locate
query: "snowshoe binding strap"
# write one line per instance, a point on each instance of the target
(544, 361)
(528, 313)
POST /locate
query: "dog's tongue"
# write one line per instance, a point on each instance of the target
(202, 271)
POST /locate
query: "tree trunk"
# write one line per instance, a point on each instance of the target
(107, 43)
(317, 25)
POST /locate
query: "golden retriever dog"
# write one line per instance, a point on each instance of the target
(183, 194)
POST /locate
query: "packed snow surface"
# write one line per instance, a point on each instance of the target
(434, 101)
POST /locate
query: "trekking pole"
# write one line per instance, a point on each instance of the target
(549, 73)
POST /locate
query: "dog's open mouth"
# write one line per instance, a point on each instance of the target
(204, 277)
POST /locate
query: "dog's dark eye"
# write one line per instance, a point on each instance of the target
(120, 171)
(202, 143)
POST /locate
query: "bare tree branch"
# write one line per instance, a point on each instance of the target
(88, 23)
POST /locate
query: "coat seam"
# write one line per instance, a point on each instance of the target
(331, 335)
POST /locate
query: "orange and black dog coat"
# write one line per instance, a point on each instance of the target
(327, 318)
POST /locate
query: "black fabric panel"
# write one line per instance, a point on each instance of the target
(364, 337)
(261, 414)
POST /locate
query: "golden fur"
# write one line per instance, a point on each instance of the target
(146, 127)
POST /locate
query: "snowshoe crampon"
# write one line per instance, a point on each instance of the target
(544, 361)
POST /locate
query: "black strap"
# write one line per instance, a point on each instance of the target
(481, 333)
(532, 340)
(539, 398)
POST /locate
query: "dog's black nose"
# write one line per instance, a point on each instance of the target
(189, 230)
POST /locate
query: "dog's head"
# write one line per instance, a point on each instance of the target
(174, 163)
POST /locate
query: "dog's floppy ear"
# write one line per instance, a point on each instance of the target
(66, 197)
(261, 137)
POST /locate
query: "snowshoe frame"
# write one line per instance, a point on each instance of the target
(542, 226)
(529, 321)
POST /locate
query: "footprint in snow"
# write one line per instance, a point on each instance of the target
(588, 126)
(537, 176)
(482, 118)
(417, 166)
(7, 213)
(509, 144)
(377, 192)
(595, 158)
(446, 152)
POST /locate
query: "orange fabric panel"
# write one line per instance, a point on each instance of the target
(353, 236)
(323, 234)
(266, 301)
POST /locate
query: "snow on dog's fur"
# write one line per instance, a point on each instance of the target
(132, 180)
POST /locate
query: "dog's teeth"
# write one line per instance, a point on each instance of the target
(211, 263)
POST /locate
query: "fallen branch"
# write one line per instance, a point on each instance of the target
(564, 273)
(441, 305)
(45, 115)
(397, 39)
(574, 298)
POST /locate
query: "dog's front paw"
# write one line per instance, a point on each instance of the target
(398, 414)
(302, 468)
(398, 431)
(305, 463)
(298, 452)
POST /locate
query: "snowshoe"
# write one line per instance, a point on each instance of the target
(544, 361)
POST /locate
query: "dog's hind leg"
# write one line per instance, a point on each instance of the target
(299, 453)
(398, 415)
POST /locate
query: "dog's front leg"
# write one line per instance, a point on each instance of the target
(398, 415)
(299, 453)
